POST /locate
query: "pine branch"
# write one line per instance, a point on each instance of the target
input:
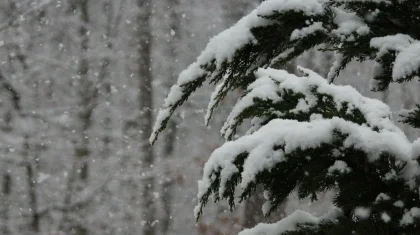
(412, 118)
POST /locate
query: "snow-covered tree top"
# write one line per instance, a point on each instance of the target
(280, 30)
(309, 135)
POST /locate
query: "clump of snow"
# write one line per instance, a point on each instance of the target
(382, 197)
(375, 1)
(391, 175)
(338, 59)
(399, 204)
(349, 25)
(290, 223)
(304, 32)
(396, 43)
(371, 16)
(315, 116)
(309, 7)
(385, 217)
(266, 207)
(345, 30)
(340, 167)
(287, 224)
(407, 62)
(362, 212)
(409, 216)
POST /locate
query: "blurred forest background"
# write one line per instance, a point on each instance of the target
(80, 82)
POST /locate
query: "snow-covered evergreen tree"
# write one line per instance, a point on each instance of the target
(307, 134)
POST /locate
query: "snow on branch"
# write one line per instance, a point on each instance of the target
(407, 63)
(280, 30)
(237, 52)
(328, 141)
(304, 156)
(307, 134)
(243, 160)
(291, 223)
(278, 94)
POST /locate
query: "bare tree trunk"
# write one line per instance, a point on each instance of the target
(168, 182)
(82, 151)
(85, 87)
(79, 175)
(144, 40)
(32, 189)
(105, 79)
(5, 200)
(170, 135)
(35, 220)
(112, 23)
(7, 129)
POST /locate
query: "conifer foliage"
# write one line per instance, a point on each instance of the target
(307, 134)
